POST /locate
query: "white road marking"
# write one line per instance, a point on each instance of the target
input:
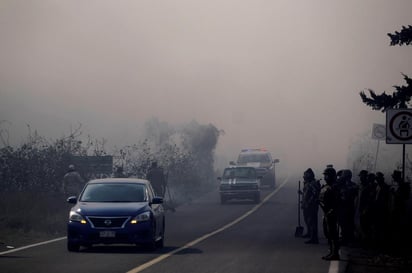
(33, 245)
(333, 267)
(206, 236)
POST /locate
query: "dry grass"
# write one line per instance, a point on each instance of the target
(30, 217)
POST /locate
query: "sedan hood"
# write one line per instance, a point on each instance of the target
(112, 209)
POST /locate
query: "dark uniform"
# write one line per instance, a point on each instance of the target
(367, 197)
(310, 205)
(381, 211)
(398, 212)
(347, 207)
(328, 201)
(157, 179)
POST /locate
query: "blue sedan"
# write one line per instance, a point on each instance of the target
(116, 211)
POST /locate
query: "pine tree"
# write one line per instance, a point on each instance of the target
(401, 97)
(402, 37)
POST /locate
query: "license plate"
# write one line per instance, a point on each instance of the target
(107, 234)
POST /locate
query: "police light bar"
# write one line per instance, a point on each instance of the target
(252, 150)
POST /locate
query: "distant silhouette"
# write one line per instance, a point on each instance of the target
(119, 172)
(72, 182)
(381, 211)
(328, 201)
(400, 194)
(157, 179)
(366, 198)
(348, 193)
(310, 205)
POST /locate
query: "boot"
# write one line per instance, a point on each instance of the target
(327, 255)
(334, 256)
(312, 241)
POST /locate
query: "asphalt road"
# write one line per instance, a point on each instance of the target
(203, 236)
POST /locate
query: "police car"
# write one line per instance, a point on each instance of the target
(262, 161)
(239, 183)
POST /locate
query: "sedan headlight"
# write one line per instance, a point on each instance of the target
(76, 217)
(142, 217)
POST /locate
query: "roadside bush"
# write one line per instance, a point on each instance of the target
(31, 174)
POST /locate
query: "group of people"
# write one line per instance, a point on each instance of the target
(73, 182)
(372, 213)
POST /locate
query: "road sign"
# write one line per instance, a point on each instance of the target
(94, 164)
(399, 126)
(379, 131)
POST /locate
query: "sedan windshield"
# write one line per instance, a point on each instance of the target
(116, 192)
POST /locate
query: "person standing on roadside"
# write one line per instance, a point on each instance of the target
(365, 200)
(381, 211)
(310, 205)
(157, 178)
(400, 194)
(72, 182)
(328, 201)
(347, 207)
(119, 173)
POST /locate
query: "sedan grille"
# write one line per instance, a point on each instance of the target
(108, 222)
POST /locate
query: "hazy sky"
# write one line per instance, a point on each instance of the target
(281, 74)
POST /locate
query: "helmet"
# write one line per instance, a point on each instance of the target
(363, 173)
(330, 172)
(309, 173)
(379, 176)
(397, 175)
(347, 174)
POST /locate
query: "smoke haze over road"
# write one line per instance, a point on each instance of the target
(284, 75)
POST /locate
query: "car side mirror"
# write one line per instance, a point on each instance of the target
(72, 200)
(157, 200)
(219, 179)
(276, 161)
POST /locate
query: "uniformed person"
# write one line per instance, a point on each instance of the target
(400, 194)
(381, 211)
(347, 207)
(328, 201)
(367, 197)
(310, 205)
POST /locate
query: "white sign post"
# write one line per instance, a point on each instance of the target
(399, 126)
(399, 130)
(378, 133)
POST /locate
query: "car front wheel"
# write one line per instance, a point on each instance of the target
(151, 245)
